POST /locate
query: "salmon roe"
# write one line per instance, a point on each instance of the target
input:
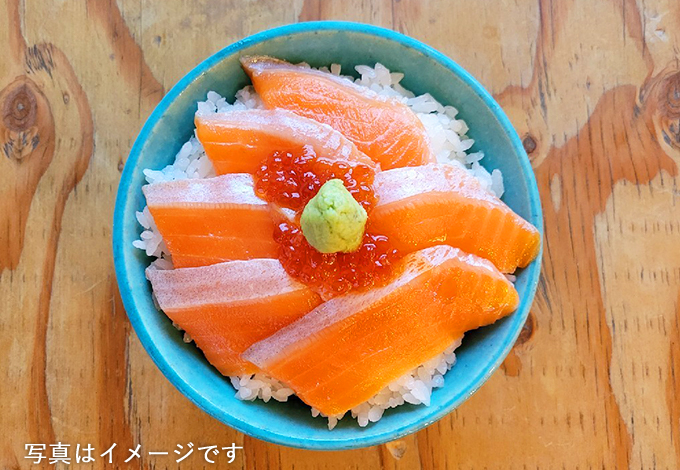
(334, 273)
(291, 178)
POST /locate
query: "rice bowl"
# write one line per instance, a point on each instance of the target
(451, 146)
(186, 152)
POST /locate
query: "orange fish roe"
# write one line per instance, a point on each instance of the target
(291, 178)
(334, 273)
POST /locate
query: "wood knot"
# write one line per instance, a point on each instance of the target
(527, 330)
(669, 105)
(529, 144)
(19, 108)
(27, 124)
(660, 102)
(670, 96)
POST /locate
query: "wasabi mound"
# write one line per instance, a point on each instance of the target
(333, 221)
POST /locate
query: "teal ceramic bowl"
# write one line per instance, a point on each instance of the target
(171, 124)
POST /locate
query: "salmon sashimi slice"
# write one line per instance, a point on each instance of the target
(227, 307)
(383, 128)
(350, 347)
(240, 141)
(443, 204)
(207, 221)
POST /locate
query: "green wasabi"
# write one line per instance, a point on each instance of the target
(333, 221)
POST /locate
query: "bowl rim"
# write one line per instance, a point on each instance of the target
(124, 282)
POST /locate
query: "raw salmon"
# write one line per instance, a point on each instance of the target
(350, 347)
(383, 128)
(240, 141)
(439, 203)
(207, 221)
(227, 307)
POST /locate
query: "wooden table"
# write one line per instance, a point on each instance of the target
(593, 88)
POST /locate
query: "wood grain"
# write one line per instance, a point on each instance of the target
(593, 89)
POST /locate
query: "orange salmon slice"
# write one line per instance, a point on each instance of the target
(443, 204)
(240, 141)
(383, 128)
(227, 307)
(207, 221)
(350, 347)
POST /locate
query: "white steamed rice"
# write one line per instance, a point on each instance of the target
(449, 143)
